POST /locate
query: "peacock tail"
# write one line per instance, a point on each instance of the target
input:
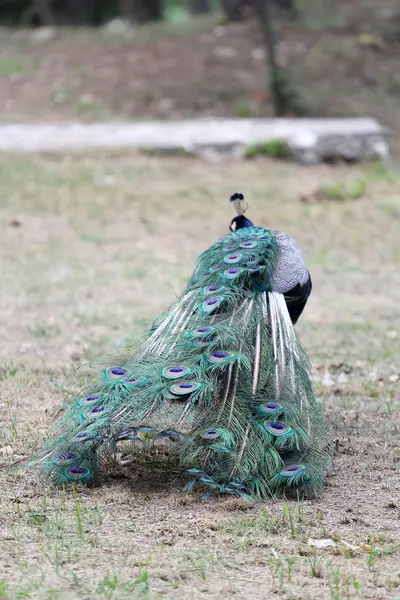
(221, 374)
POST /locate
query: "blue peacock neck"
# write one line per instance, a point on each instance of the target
(240, 222)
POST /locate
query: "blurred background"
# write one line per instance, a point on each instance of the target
(96, 60)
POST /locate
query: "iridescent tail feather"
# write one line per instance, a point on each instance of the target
(221, 374)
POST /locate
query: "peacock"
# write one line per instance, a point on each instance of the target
(220, 376)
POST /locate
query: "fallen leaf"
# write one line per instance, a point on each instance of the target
(364, 547)
(371, 41)
(225, 52)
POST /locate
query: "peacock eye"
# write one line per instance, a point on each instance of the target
(212, 289)
(249, 244)
(97, 411)
(89, 399)
(65, 458)
(184, 388)
(292, 470)
(269, 407)
(219, 356)
(233, 258)
(233, 273)
(212, 303)
(277, 428)
(210, 434)
(175, 372)
(116, 373)
(82, 435)
(77, 473)
(202, 331)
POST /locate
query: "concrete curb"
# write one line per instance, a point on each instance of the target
(309, 140)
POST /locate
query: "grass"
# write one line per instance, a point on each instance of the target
(93, 245)
(275, 148)
(14, 65)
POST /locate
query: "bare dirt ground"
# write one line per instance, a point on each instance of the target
(92, 245)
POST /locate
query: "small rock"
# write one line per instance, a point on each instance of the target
(166, 104)
(26, 347)
(379, 149)
(118, 26)
(392, 334)
(59, 97)
(44, 34)
(321, 543)
(219, 31)
(109, 180)
(15, 222)
(303, 146)
(87, 99)
(393, 378)
(342, 378)
(258, 54)
(6, 450)
(327, 380)
(225, 52)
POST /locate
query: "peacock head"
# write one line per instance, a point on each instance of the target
(240, 220)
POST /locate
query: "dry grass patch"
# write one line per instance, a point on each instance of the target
(92, 246)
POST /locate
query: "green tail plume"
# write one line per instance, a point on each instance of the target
(221, 374)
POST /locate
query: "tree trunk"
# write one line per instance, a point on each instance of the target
(289, 7)
(198, 7)
(285, 4)
(142, 11)
(235, 10)
(80, 12)
(263, 11)
(44, 12)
